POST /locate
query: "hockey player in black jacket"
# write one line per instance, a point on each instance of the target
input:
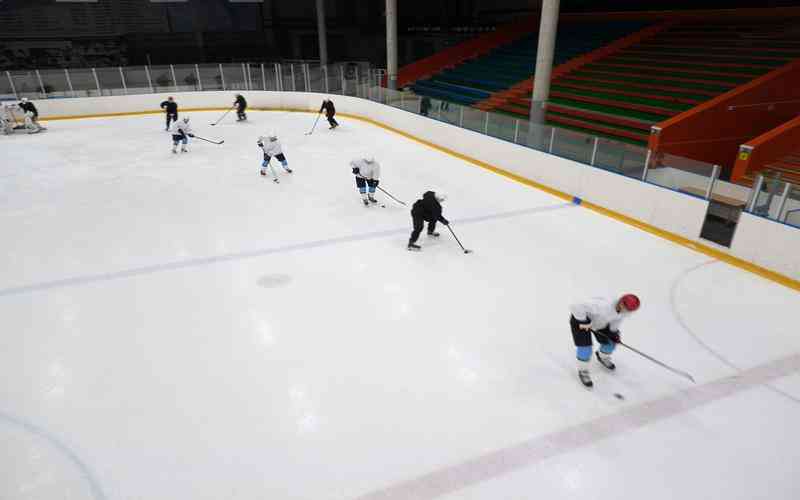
(330, 112)
(241, 106)
(428, 209)
(171, 109)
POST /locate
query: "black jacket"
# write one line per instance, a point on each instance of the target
(428, 208)
(329, 108)
(28, 106)
(240, 103)
(170, 106)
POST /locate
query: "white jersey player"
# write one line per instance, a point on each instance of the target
(368, 173)
(181, 131)
(601, 317)
(270, 145)
(31, 124)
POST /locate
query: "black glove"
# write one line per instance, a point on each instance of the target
(191, 135)
(260, 144)
(445, 222)
(356, 170)
(614, 336)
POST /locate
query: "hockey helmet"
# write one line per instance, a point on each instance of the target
(24, 99)
(368, 157)
(630, 302)
(273, 136)
(185, 119)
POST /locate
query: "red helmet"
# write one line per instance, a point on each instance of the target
(630, 302)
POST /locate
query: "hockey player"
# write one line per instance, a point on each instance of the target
(180, 131)
(31, 116)
(330, 111)
(429, 209)
(241, 106)
(6, 125)
(368, 173)
(272, 147)
(171, 109)
(602, 318)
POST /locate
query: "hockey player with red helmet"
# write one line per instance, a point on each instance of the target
(602, 318)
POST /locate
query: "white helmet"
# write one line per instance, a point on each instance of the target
(273, 136)
(24, 99)
(368, 157)
(440, 196)
(185, 119)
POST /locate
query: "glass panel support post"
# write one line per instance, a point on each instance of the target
(222, 77)
(97, 81)
(461, 116)
(782, 203)
(294, 84)
(646, 165)
(516, 130)
(594, 151)
(41, 84)
(199, 80)
(552, 139)
(751, 204)
(263, 77)
(486, 123)
(13, 88)
(712, 181)
(174, 78)
(344, 83)
(149, 80)
(122, 78)
(69, 82)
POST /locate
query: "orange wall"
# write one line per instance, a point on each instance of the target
(713, 131)
(768, 147)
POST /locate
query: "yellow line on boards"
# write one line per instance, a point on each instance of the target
(661, 233)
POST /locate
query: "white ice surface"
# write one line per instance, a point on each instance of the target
(179, 327)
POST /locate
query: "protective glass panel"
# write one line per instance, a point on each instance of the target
(679, 173)
(211, 77)
(186, 76)
(573, 145)
(255, 81)
(55, 83)
(315, 78)
(535, 136)
(162, 79)
(502, 126)
(6, 92)
(769, 196)
(83, 82)
(110, 81)
(411, 102)
(136, 80)
(474, 119)
(300, 78)
(620, 157)
(26, 84)
(334, 79)
(393, 98)
(234, 77)
(447, 112)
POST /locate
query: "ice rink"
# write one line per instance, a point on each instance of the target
(178, 327)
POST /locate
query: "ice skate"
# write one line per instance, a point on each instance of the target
(433, 234)
(372, 200)
(585, 377)
(414, 247)
(263, 173)
(605, 360)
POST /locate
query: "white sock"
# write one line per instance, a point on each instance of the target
(583, 366)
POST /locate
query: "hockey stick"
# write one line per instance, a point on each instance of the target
(223, 116)
(208, 140)
(390, 196)
(673, 370)
(315, 124)
(456, 237)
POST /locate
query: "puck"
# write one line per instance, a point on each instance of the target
(618, 395)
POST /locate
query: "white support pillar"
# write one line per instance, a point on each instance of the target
(552, 139)
(222, 77)
(41, 83)
(646, 165)
(751, 203)
(461, 116)
(516, 130)
(122, 77)
(174, 78)
(544, 60)
(278, 78)
(245, 77)
(486, 123)
(712, 181)
(782, 204)
(97, 82)
(294, 84)
(149, 80)
(263, 77)
(391, 44)
(594, 150)
(13, 88)
(199, 80)
(69, 82)
(321, 31)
